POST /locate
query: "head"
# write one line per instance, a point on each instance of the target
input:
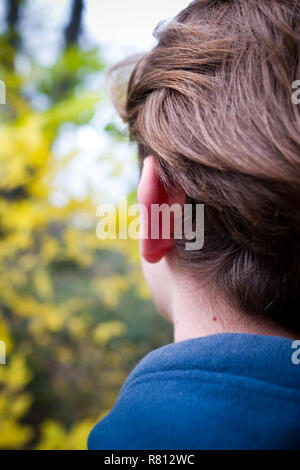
(211, 110)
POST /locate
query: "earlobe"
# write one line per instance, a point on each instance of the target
(152, 192)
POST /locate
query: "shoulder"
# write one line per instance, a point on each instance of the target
(182, 395)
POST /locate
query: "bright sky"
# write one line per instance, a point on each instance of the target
(129, 22)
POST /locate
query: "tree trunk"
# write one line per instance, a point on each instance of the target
(73, 29)
(12, 19)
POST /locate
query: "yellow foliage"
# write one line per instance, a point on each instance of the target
(15, 374)
(42, 284)
(25, 141)
(56, 437)
(14, 404)
(13, 435)
(106, 331)
(5, 336)
(110, 289)
(78, 327)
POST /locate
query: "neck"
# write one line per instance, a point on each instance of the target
(194, 314)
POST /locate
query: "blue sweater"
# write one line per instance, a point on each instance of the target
(225, 391)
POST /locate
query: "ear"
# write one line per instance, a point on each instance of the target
(152, 191)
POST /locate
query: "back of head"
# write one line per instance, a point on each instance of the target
(213, 102)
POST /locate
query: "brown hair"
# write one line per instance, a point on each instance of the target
(212, 101)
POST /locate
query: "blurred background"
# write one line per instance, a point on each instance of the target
(75, 314)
